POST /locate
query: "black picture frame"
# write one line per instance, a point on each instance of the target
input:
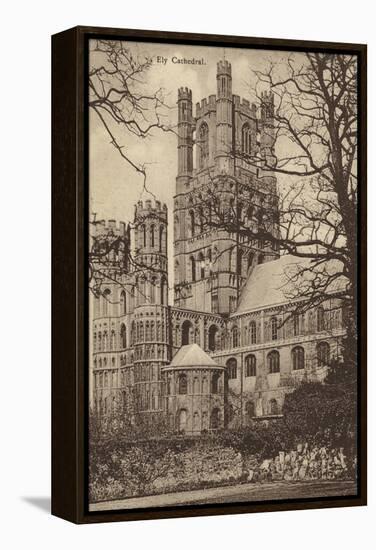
(69, 275)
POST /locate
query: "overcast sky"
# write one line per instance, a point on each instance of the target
(115, 187)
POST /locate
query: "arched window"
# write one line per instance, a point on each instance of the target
(235, 337)
(192, 222)
(215, 382)
(239, 262)
(112, 341)
(123, 303)
(273, 407)
(273, 362)
(274, 328)
(153, 284)
(201, 265)
(296, 324)
(253, 332)
(123, 336)
(297, 354)
(246, 139)
(196, 385)
(209, 260)
(106, 301)
(186, 336)
(163, 291)
(323, 354)
(201, 220)
(212, 337)
(250, 365)
(105, 341)
(320, 319)
(193, 268)
(250, 409)
(143, 230)
(204, 144)
(152, 236)
(232, 369)
(161, 237)
(182, 384)
(159, 331)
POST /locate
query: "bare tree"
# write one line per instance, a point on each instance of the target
(127, 110)
(119, 96)
(309, 124)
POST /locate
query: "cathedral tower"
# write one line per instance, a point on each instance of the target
(222, 175)
(151, 324)
(185, 139)
(224, 115)
(267, 134)
(112, 305)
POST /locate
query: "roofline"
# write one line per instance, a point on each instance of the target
(197, 367)
(279, 304)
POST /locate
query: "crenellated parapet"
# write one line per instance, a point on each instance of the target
(110, 227)
(207, 105)
(245, 107)
(224, 67)
(184, 93)
(148, 209)
(151, 252)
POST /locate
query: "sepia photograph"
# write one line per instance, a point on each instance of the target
(222, 274)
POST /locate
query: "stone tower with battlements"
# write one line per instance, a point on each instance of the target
(225, 153)
(112, 310)
(151, 323)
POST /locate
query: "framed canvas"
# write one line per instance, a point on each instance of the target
(209, 274)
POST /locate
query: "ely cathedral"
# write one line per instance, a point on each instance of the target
(230, 348)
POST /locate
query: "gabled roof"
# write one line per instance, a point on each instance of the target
(273, 283)
(192, 355)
